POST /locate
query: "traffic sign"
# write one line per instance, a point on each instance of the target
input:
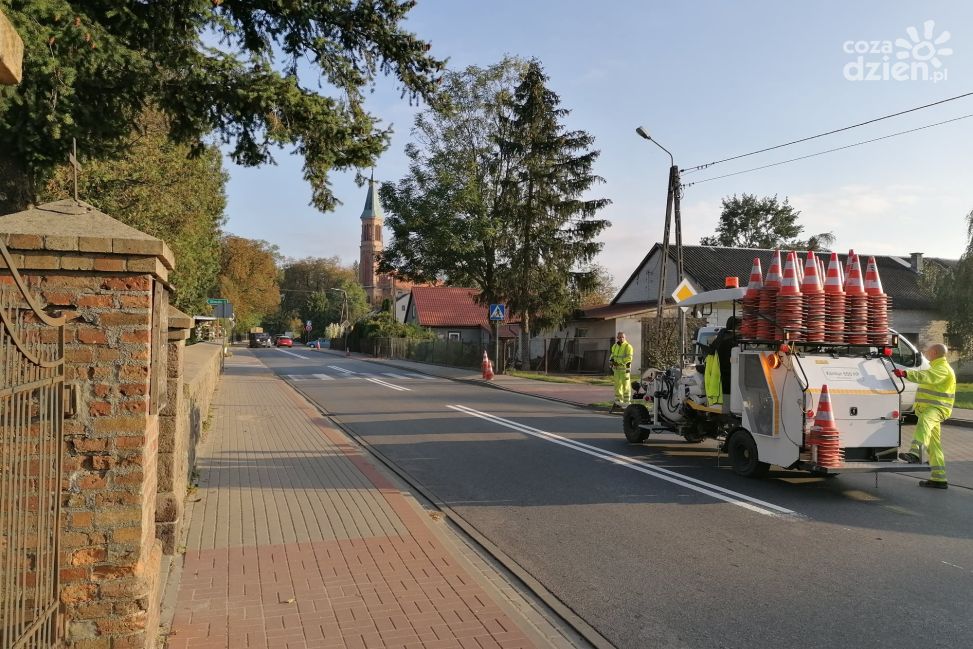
(307, 327)
(498, 312)
(683, 292)
(216, 300)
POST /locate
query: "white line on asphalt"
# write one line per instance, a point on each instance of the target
(340, 369)
(389, 385)
(284, 351)
(715, 491)
(422, 376)
(395, 376)
(323, 377)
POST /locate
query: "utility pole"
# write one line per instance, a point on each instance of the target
(673, 200)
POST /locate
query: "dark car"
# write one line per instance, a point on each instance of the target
(284, 341)
(260, 340)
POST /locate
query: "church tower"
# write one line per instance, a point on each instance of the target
(377, 287)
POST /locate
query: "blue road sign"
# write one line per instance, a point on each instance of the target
(498, 312)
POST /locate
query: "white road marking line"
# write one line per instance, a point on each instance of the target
(296, 377)
(712, 490)
(323, 377)
(422, 376)
(340, 369)
(389, 385)
(395, 376)
(284, 351)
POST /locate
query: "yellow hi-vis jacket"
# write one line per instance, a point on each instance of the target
(937, 386)
(622, 356)
(712, 380)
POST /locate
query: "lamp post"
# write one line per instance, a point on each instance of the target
(344, 316)
(673, 196)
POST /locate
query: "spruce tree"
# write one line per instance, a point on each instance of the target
(553, 222)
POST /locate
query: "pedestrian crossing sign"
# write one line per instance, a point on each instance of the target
(498, 312)
(683, 292)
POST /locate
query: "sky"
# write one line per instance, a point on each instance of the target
(708, 80)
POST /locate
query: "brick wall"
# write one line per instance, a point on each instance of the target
(110, 281)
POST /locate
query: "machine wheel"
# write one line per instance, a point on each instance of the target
(634, 415)
(742, 451)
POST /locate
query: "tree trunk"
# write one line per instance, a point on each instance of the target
(525, 340)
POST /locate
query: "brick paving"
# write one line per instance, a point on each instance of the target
(296, 540)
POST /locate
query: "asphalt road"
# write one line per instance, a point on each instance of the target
(661, 545)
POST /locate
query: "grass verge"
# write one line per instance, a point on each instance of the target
(562, 378)
(964, 395)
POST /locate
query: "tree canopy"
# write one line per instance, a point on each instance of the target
(495, 197)
(750, 222)
(953, 291)
(261, 75)
(248, 279)
(154, 187)
(319, 289)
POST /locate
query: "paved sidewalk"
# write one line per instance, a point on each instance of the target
(296, 540)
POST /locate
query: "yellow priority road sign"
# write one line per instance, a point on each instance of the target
(683, 292)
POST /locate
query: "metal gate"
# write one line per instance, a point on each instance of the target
(31, 422)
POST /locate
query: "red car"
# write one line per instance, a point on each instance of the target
(284, 341)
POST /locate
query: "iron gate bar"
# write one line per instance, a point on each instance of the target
(31, 427)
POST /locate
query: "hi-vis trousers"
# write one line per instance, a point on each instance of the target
(928, 435)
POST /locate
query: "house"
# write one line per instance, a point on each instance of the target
(453, 313)
(707, 267)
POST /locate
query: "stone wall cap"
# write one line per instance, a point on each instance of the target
(179, 320)
(61, 221)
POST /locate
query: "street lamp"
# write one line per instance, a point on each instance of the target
(673, 196)
(344, 317)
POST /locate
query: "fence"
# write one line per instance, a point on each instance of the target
(452, 353)
(555, 355)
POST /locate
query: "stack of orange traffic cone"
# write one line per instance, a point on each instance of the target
(487, 367)
(790, 302)
(834, 303)
(751, 302)
(824, 435)
(856, 317)
(768, 300)
(878, 306)
(813, 300)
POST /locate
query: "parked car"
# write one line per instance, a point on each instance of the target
(325, 343)
(260, 340)
(284, 341)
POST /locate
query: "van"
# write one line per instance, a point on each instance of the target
(260, 340)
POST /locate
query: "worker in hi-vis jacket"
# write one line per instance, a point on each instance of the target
(934, 405)
(622, 354)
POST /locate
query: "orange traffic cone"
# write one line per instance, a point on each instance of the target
(751, 302)
(878, 306)
(814, 300)
(834, 303)
(487, 367)
(790, 302)
(824, 434)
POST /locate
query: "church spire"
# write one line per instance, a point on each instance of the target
(373, 207)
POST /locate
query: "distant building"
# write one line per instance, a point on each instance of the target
(378, 287)
(454, 313)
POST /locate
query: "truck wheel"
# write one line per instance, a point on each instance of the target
(743, 456)
(634, 415)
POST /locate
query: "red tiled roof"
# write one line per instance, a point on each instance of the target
(451, 306)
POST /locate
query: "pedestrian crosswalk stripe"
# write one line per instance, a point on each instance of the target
(323, 377)
(421, 376)
(394, 376)
(340, 369)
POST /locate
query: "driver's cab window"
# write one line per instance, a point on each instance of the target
(905, 354)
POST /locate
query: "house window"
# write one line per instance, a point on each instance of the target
(453, 335)
(580, 332)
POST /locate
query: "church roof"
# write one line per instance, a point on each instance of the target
(373, 206)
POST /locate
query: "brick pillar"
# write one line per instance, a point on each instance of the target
(174, 445)
(110, 280)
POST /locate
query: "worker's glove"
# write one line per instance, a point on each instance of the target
(899, 373)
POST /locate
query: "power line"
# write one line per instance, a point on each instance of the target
(840, 148)
(837, 130)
